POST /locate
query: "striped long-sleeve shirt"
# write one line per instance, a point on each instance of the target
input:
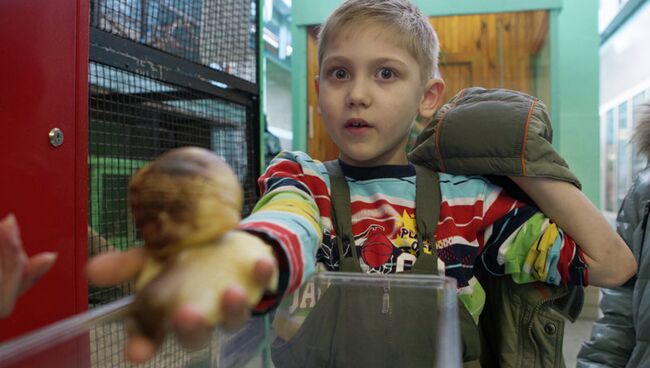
(479, 225)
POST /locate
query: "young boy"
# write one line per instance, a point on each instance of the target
(378, 59)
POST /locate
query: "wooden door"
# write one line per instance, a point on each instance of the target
(458, 70)
(319, 144)
(44, 74)
(491, 50)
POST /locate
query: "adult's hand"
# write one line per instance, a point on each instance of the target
(17, 272)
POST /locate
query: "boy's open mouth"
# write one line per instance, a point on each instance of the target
(357, 124)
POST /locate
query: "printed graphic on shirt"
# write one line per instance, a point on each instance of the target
(380, 249)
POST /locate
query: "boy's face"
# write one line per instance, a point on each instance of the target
(370, 90)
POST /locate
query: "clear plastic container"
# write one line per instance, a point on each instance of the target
(360, 320)
(334, 320)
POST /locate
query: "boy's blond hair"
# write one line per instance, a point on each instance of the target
(413, 29)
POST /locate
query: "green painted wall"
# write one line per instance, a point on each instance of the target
(261, 80)
(575, 95)
(308, 12)
(299, 87)
(574, 72)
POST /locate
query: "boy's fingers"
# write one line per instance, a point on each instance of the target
(139, 349)
(187, 319)
(190, 327)
(235, 308)
(265, 273)
(36, 267)
(114, 267)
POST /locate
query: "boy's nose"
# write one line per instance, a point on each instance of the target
(358, 95)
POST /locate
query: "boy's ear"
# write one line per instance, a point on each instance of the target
(434, 89)
(316, 84)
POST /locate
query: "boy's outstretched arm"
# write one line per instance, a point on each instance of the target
(611, 263)
(202, 274)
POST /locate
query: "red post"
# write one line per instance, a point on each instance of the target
(44, 74)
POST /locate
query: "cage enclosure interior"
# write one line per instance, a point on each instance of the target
(165, 74)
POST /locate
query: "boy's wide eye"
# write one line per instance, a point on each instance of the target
(386, 73)
(339, 73)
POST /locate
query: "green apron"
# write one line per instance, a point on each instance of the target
(362, 326)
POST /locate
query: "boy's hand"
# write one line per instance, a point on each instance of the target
(17, 272)
(204, 287)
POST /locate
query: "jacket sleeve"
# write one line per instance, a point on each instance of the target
(613, 336)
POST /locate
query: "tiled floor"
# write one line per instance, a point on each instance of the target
(576, 333)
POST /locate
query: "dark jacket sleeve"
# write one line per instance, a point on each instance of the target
(613, 336)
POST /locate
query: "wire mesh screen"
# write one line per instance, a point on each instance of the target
(216, 33)
(152, 87)
(132, 120)
(107, 341)
(243, 349)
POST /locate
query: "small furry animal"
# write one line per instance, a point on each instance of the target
(185, 204)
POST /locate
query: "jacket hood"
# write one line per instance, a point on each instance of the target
(492, 132)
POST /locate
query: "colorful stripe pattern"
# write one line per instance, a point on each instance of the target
(479, 223)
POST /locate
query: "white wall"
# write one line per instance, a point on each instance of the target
(278, 103)
(625, 59)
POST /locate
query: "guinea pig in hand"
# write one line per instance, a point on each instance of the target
(184, 198)
(186, 204)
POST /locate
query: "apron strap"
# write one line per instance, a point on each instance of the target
(342, 217)
(427, 214)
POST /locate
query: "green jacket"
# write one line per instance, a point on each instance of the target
(502, 133)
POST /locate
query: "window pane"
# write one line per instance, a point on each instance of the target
(638, 160)
(637, 101)
(623, 158)
(623, 170)
(610, 156)
(622, 115)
